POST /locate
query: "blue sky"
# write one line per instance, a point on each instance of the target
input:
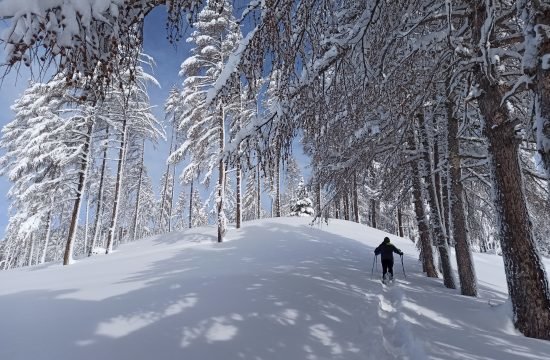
(168, 59)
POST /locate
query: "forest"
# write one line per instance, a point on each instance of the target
(427, 119)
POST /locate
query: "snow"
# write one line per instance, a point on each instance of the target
(545, 62)
(276, 289)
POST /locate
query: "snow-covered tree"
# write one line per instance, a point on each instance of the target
(203, 124)
(302, 204)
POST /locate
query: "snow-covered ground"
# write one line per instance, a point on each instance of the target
(277, 289)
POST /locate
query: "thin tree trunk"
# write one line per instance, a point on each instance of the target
(259, 193)
(99, 206)
(191, 205)
(435, 218)
(466, 270)
(318, 198)
(373, 213)
(355, 199)
(164, 190)
(238, 214)
(82, 178)
(426, 251)
(278, 186)
(138, 195)
(439, 145)
(171, 205)
(118, 186)
(31, 251)
(399, 222)
(86, 223)
(48, 234)
(346, 206)
(221, 179)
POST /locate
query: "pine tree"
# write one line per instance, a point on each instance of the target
(202, 123)
(302, 204)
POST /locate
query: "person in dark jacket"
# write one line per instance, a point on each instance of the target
(386, 250)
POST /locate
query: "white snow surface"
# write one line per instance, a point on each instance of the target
(276, 289)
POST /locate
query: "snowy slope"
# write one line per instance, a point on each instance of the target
(278, 289)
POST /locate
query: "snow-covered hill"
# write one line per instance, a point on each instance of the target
(278, 289)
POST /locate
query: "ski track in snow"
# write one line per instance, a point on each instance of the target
(398, 339)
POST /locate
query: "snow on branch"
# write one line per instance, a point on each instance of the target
(79, 36)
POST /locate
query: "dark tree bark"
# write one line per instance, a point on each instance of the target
(437, 180)
(428, 265)
(399, 222)
(373, 213)
(525, 274)
(438, 230)
(466, 271)
(346, 206)
(318, 198)
(355, 199)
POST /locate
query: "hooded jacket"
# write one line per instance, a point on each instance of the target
(386, 250)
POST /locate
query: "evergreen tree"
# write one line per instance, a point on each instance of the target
(302, 204)
(203, 123)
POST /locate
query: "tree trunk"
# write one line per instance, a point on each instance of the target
(259, 193)
(86, 224)
(537, 22)
(138, 195)
(99, 206)
(355, 199)
(466, 270)
(171, 204)
(399, 222)
(221, 179)
(424, 233)
(525, 274)
(437, 167)
(435, 216)
(373, 213)
(118, 186)
(48, 234)
(82, 178)
(31, 251)
(278, 186)
(238, 214)
(346, 205)
(164, 190)
(318, 199)
(191, 204)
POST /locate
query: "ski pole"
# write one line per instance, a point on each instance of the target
(403, 266)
